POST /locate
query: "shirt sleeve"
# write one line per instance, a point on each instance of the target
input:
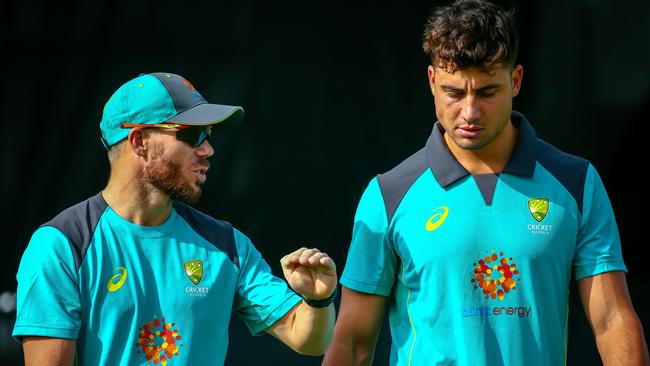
(371, 262)
(48, 302)
(262, 298)
(598, 248)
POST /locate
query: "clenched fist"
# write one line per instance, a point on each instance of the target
(310, 273)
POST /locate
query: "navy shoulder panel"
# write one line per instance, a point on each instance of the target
(78, 224)
(569, 169)
(395, 183)
(220, 233)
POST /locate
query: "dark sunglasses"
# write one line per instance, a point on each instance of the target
(192, 135)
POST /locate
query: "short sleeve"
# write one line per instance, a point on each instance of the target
(598, 248)
(262, 298)
(48, 302)
(371, 263)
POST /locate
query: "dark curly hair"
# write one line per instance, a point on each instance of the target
(471, 33)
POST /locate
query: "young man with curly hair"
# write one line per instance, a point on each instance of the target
(471, 242)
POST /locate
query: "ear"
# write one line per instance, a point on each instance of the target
(431, 73)
(517, 75)
(136, 140)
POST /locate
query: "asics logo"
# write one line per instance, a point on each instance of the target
(434, 222)
(116, 282)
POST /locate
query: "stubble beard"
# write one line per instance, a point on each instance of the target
(167, 176)
(481, 143)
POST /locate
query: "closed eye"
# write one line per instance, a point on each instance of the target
(453, 92)
(486, 93)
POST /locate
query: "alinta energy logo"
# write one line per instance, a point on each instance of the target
(496, 276)
(195, 93)
(157, 340)
(189, 85)
(538, 208)
(194, 272)
(439, 217)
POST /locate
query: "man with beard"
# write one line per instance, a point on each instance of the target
(133, 275)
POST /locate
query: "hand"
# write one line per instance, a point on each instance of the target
(310, 273)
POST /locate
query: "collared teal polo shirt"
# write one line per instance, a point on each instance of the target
(477, 268)
(144, 295)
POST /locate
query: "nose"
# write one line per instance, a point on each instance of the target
(205, 150)
(470, 110)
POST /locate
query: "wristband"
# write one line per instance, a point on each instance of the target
(321, 303)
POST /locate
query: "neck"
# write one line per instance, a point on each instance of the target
(491, 158)
(134, 200)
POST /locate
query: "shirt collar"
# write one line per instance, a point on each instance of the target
(447, 170)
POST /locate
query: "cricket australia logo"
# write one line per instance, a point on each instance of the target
(538, 208)
(194, 272)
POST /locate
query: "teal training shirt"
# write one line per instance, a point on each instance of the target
(477, 268)
(136, 295)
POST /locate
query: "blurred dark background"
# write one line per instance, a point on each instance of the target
(334, 93)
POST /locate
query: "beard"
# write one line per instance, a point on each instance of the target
(167, 175)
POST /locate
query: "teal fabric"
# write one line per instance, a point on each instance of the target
(156, 300)
(140, 100)
(49, 268)
(439, 313)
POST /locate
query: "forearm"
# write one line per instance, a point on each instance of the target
(623, 343)
(347, 353)
(48, 351)
(357, 329)
(311, 329)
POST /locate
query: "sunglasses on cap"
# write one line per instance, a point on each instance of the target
(192, 135)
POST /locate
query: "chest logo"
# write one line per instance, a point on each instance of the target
(434, 222)
(495, 275)
(538, 207)
(159, 341)
(194, 270)
(115, 283)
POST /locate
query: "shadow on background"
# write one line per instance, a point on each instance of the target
(334, 93)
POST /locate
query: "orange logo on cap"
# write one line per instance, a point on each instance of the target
(187, 84)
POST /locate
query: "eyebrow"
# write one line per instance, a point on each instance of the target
(489, 86)
(483, 88)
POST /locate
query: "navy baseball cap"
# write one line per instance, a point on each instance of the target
(156, 98)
